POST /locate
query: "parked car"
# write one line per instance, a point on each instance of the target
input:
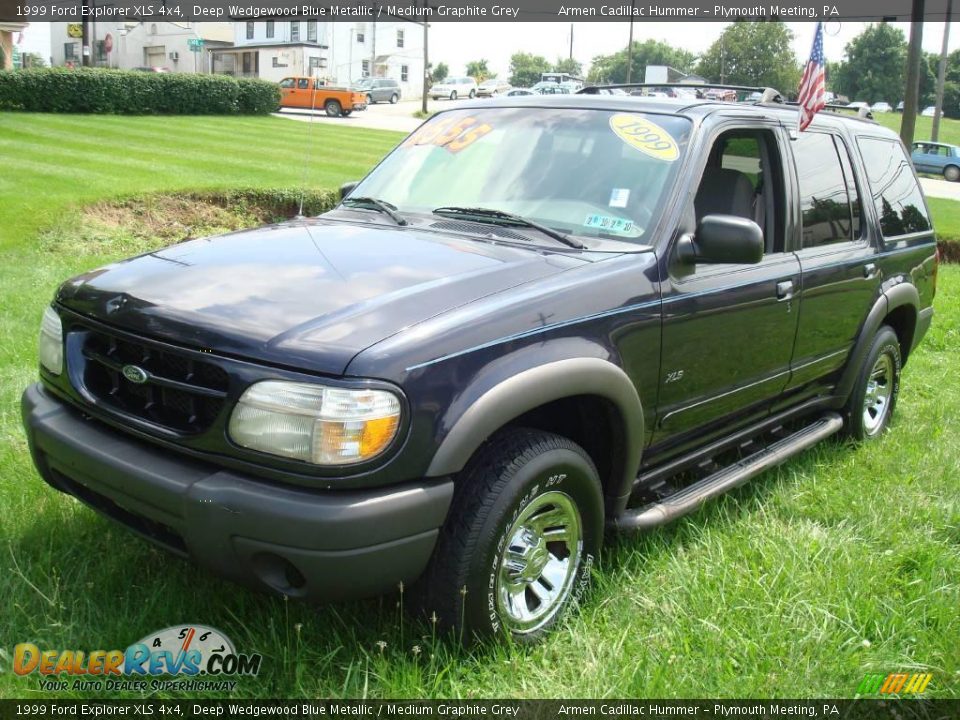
(519, 331)
(938, 158)
(881, 107)
(859, 104)
(493, 87)
(453, 88)
(379, 89)
(900, 107)
(514, 92)
(307, 93)
(929, 111)
(550, 88)
(151, 69)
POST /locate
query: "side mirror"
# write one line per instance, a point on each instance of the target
(723, 239)
(347, 188)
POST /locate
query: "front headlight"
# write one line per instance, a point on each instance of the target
(50, 347)
(316, 423)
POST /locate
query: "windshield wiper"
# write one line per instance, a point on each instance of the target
(378, 205)
(511, 219)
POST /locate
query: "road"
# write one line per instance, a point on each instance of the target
(399, 117)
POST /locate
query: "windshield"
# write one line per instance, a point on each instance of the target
(591, 173)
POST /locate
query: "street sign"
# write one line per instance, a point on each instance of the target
(195, 44)
(75, 30)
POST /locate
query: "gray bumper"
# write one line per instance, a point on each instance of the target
(316, 545)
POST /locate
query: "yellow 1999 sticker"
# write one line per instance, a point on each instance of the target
(644, 135)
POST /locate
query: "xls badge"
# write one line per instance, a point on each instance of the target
(180, 650)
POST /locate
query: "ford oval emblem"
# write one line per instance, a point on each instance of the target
(135, 374)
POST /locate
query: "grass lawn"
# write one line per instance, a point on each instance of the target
(949, 129)
(841, 562)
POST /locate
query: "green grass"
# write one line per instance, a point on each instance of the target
(949, 129)
(841, 562)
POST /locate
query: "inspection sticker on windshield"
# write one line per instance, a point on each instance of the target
(619, 197)
(645, 135)
(608, 223)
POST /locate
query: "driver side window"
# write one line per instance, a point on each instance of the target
(744, 178)
(287, 83)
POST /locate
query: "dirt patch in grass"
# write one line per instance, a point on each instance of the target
(144, 223)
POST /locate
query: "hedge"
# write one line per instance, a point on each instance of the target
(122, 92)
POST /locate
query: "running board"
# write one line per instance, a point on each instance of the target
(691, 498)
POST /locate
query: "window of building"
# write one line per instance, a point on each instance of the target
(278, 64)
(825, 206)
(896, 193)
(312, 31)
(270, 28)
(365, 68)
(250, 30)
(317, 62)
(404, 72)
(70, 51)
(294, 32)
(361, 31)
(399, 38)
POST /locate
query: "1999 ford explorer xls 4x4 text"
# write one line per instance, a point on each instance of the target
(536, 318)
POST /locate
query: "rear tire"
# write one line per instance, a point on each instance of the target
(394, 98)
(473, 94)
(951, 173)
(874, 397)
(332, 108)
(453, 95)
(522, 535)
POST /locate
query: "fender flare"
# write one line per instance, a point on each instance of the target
(529, 389)
(900, 295)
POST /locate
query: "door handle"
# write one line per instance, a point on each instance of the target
(870, 271)
(785, 290)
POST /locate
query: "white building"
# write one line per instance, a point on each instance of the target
(142, 44)
(339, 52)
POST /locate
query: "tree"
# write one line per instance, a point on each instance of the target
(613, 68)
(33, 60)
(440, 72)
(754, 54)
(568, 65)
(874, 69)
(478, 70)
(526, 69)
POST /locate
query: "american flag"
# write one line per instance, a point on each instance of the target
(813, 89)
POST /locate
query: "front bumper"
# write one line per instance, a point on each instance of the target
(316, 545)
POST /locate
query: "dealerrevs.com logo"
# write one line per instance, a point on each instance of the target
(201, 657)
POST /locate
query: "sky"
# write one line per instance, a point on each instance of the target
(457, 43)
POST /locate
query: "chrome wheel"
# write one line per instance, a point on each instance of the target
(876, 400)
(539, 562)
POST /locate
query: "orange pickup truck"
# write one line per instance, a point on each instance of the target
(311, 94)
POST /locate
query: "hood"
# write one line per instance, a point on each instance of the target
(309, 294)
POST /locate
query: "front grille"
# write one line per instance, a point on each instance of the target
(180, 393)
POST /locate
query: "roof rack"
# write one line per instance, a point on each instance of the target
(767, 94)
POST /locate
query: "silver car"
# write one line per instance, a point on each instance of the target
(379, 89)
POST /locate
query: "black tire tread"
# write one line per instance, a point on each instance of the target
(483, 479)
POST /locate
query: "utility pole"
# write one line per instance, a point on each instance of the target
(630, 44)
(571, 42)
(85, 52)
(941, 75)
(426, 58)
(909, 124)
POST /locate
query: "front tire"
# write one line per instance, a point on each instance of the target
(394, 98)
(522, 535)
(951, 173)
(874, 397)
(473, 94)
(453, 95)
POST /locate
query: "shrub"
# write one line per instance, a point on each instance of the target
(121, 92)
(258, 97)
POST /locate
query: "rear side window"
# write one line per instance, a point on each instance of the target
(894, 187)
(828, 215)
